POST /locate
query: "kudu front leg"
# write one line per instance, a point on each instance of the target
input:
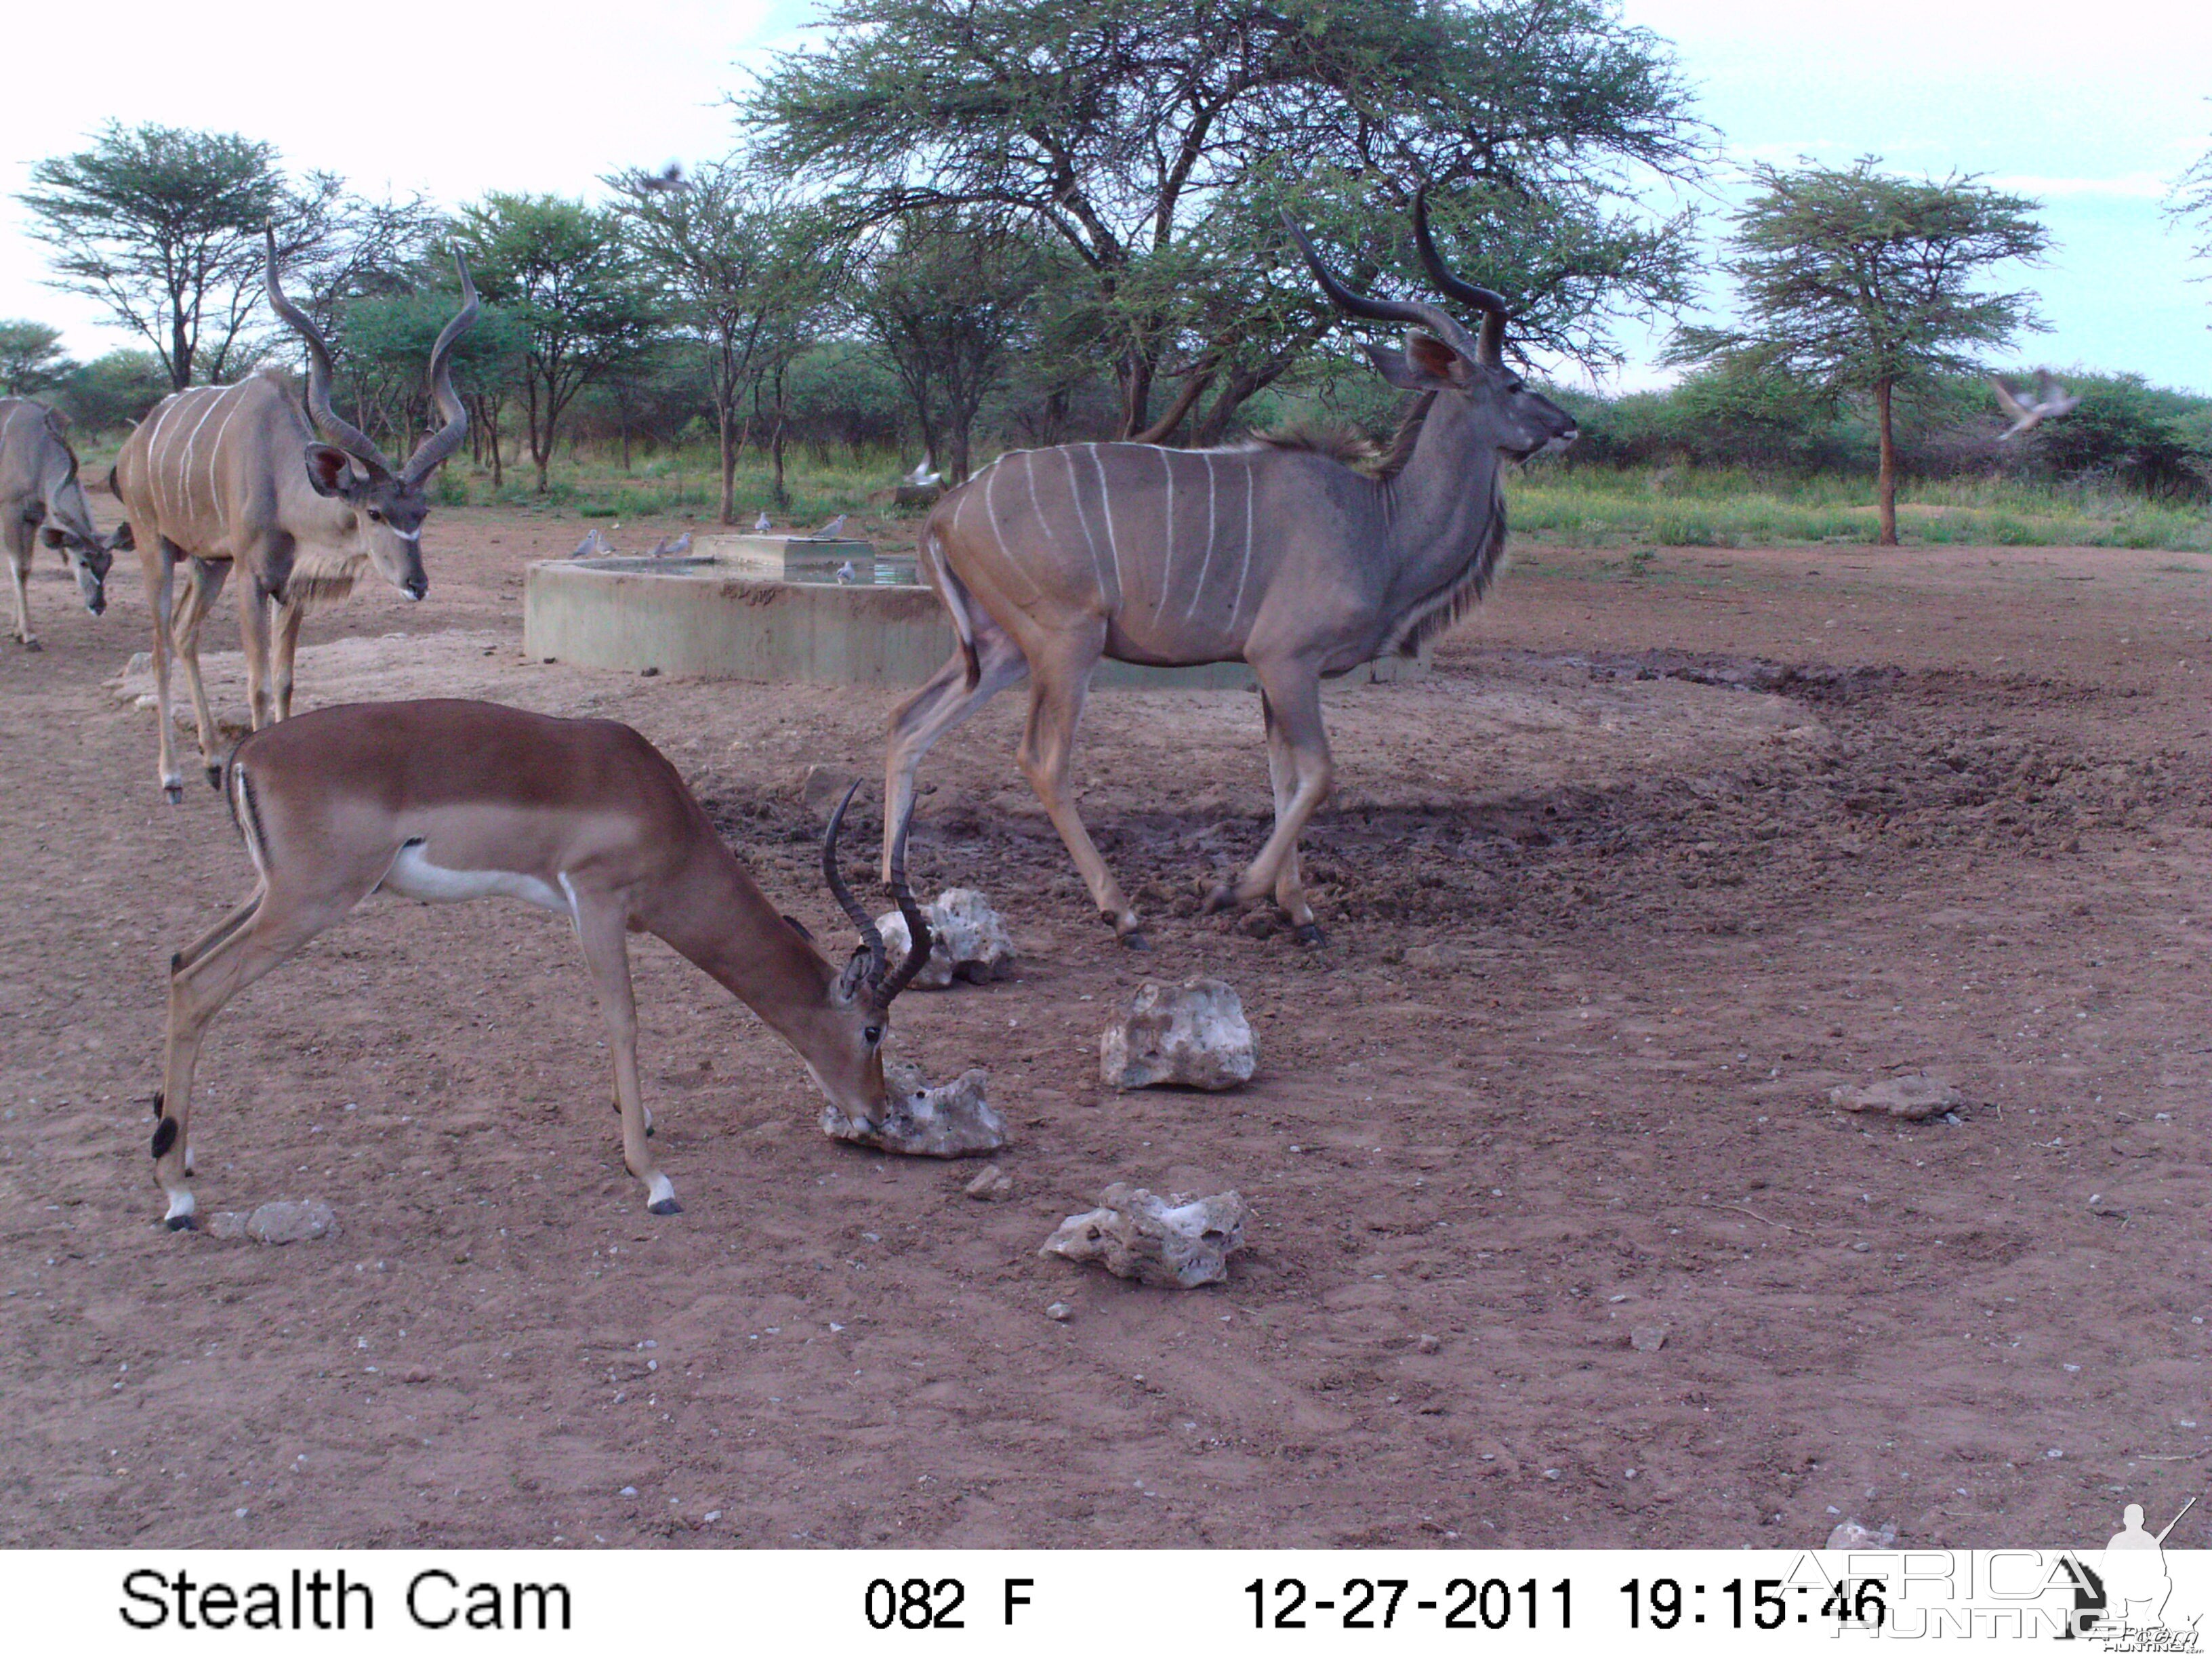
(1283, 777)
(157, 562)
(1058, 685)
(289, 615)
(19, 574)
(208, 577)
(1293, 706)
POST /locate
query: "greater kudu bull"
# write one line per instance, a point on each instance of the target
(41, 501)
(1274, 552)
(236, 475)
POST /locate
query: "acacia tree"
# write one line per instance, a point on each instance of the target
(947, 299)
(718, 246)
(32, 358)
(2190, 204)
(1859, 283)
(163, 224)
(1151, 137)
(564, 273)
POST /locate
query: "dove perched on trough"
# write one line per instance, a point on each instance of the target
(593, 546)
(2050, 401)
(669, 547)
(829, 532)
(760, 526)
(847, 572)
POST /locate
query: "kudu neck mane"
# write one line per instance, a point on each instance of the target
(1341, 443)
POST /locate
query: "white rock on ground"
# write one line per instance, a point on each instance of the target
(1194, 1035)
(953, 1119)
(1176, 1243)
(281, 1221)
(1916, 1095)
(968, 939)
(1854, 1534)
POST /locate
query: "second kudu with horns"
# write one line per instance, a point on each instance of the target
(1276, 552)
(298, 500)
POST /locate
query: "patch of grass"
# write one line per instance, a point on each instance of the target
(1681, 506)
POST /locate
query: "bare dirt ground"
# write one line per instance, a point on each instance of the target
(1615, 898)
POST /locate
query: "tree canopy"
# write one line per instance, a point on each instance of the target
(564, 273)
(1857, 281)
(30, 358)
(1156, 138)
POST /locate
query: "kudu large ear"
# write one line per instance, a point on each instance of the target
(123, 539)
(53, 535)
(1427, 364)
(328, 468)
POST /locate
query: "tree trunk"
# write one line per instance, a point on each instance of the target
(775, 445)
(725, 439)
(1886, 493)
(1136, 377)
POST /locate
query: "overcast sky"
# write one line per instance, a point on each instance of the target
(2093, 111)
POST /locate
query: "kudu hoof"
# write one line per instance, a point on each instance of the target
(33, 645)
(1309, 932)
(1134, 939)
(1222, 897)
(215, 779)
(174, 793)
(665, 1207)
(181, 1224)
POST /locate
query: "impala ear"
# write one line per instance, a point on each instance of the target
(856, 972)
(328, 470)
(1426, 364)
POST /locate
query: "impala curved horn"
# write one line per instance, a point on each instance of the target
(434, 450)
(917, 925)
(1435, 319)
(355, 442)
(1490, 302)
(869, 936)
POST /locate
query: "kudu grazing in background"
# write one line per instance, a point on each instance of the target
(42, 502)
(238, 475)
(448, 800)
(1274, 552)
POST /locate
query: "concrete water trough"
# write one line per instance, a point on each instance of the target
(772, 609)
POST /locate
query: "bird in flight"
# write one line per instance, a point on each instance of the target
(923, 476)
(2051, 401)
(669, 177)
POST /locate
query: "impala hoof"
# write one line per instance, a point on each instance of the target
(1309, 932)
(33, 645)
(1222, 897)
(215, 777)
(175, 792)
(665, 1207)
(1134, 939)
(181, 1223)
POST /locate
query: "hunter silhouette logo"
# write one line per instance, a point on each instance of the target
(2123, 1601)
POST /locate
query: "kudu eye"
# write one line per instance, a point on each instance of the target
(376, 515)
(874, 1034)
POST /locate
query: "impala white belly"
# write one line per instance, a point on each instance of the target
(413, 876)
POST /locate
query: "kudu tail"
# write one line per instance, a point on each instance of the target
(958, 601)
